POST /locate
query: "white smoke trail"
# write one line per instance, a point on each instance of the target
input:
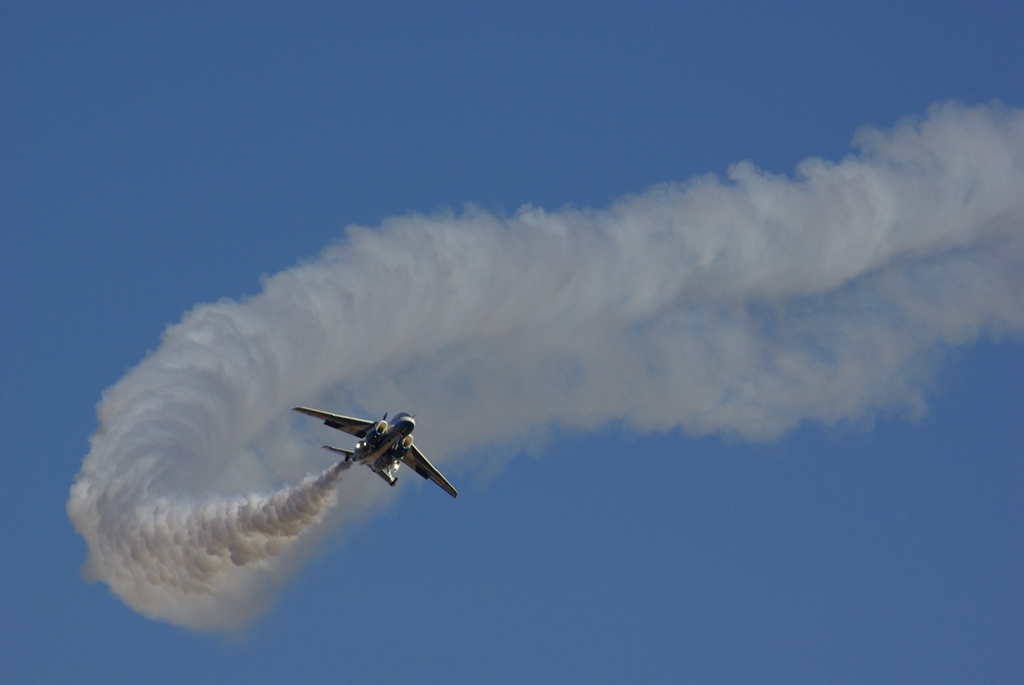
(745, 306)
(178, 552)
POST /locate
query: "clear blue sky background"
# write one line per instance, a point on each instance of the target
(157, 155)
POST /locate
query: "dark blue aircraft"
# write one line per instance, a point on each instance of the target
(382, 446)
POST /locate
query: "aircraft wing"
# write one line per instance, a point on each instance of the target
(356, 427)
(415, 459)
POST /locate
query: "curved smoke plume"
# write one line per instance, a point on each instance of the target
(743, 306)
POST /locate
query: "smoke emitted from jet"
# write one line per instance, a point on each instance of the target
(197, 562)
(742, 306)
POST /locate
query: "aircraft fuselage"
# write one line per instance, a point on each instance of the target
(382, 450)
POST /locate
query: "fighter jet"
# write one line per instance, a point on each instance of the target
(382, 446)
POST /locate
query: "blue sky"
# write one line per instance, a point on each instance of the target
(161, 156)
